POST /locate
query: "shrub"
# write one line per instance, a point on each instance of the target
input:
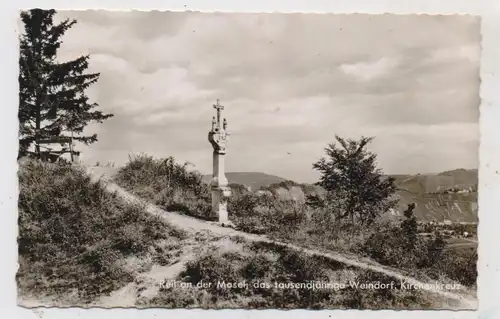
(400, 246)
(388, 248)
(264, 214)
(168, 184)
(261, 265)
(459, 265)
(237, 189)
(214, 267)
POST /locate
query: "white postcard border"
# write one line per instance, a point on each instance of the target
(489, 172)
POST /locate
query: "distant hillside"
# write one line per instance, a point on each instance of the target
(256, 180)
(433, 183)
(438, 207)
(415, 184)
(425, 190)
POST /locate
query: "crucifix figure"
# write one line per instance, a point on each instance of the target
(219, 108)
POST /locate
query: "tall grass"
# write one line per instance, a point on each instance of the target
(259, 266)
(174, 187)
(427, 259)
(74, 235)
(168, 184)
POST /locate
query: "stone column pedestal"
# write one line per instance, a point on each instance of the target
(219, 183)
(220, 196)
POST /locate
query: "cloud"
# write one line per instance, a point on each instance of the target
(367, 71)
(289, 82)
(465, 52)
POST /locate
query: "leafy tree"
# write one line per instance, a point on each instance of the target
(351, 179)
(52, 99)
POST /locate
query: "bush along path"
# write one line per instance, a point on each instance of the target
(194, 226)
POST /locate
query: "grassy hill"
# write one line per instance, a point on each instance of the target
(170, 186)
(77, 241)
(81, 245)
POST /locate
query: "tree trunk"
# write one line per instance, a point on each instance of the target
(38, 120)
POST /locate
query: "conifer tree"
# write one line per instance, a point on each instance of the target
(52, 98)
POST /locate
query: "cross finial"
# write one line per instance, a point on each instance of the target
(219, 108)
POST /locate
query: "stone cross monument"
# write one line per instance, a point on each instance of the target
(218, 137)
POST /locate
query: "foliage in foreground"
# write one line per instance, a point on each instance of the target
(74, 236)
(320, 223)
(400, 246)
(346, 218)
(393, 244)
(260, 265)
(168, 184)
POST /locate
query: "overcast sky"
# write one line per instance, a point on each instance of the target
(289, 83)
